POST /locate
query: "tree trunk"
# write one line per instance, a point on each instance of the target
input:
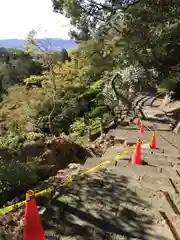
(119, 96)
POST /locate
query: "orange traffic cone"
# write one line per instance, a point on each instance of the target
(153, 142)
(142, 128)
(138, 123)
(136, 159)
(33, 229)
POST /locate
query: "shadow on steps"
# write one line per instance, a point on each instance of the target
(100, 207)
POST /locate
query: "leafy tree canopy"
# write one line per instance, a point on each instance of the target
(142, 33)
(87, 15)
(15, 65)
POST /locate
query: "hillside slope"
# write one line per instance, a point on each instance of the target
(120, 201)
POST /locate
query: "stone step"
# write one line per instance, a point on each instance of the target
(148, 182)
(151, 161)
(160, 152)
(148, 155)
(132, 135)
(121, 199)
(149, 175)
(147, 192)
(156, 159)
(160, 159)
(163, 138)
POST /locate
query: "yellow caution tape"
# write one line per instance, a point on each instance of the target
(94, 168)
(10, 208)
(47, 190)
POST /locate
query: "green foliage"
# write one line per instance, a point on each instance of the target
(15, 65)
(98, 111)
(86, 15)
(79, 126)
(97, 85)
(131, 44)
(63, 55)
(161, 90)
(169, 84)
(94, 122)
(137, 34)
(133, 74)
(138, 41)
(33, 136)
(11, 140)
(35, 79)
(15, 176)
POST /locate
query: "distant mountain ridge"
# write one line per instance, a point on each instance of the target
(52, 44)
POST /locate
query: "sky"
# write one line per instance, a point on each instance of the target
(18, 17)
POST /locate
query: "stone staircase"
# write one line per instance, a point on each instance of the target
(123, 201)
(161, 172)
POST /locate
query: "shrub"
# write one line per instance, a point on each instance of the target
(35, 79)
(11, 140)
(78, 126)
(94, 122)
(33, 136)
(98, 111)
(162, 90)
(15, 177)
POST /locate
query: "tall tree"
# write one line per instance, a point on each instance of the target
(87, 15)
(140, 33)
(15, 65)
